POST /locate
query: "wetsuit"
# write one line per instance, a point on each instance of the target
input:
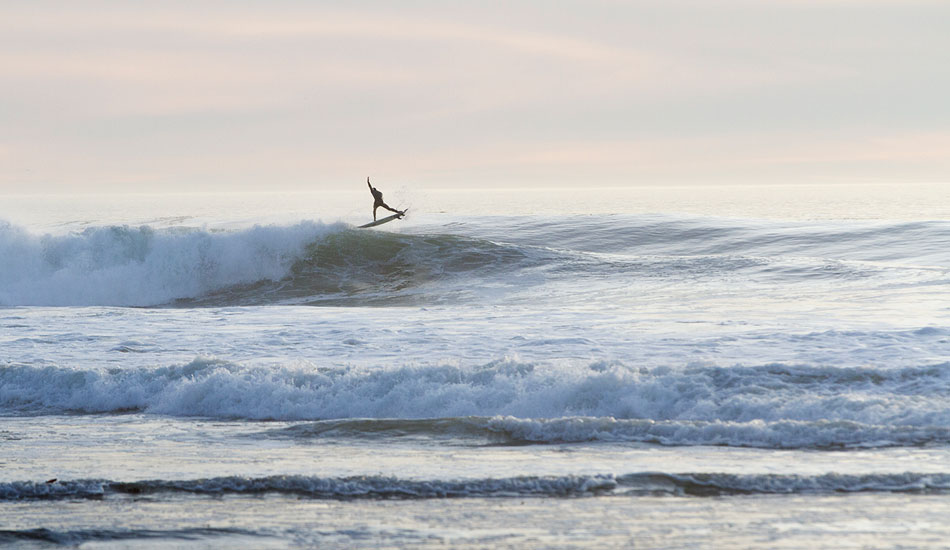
(378, 200)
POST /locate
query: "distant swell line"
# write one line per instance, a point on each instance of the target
(381, 487)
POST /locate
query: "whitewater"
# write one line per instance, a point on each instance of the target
(708, 369)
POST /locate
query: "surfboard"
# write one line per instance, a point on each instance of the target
(381, 221)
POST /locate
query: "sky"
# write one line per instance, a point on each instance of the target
(245, 95)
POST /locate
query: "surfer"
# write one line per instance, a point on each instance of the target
(378, 201)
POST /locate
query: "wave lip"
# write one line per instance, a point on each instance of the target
(381, 487)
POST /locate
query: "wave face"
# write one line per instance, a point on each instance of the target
(315, 263)
(770, 406)
(306, 263)
(356, 267)
(380, 487)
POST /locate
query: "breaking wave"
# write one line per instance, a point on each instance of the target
(507, 402)
(141, 266)
(309, 262)
(335, 264)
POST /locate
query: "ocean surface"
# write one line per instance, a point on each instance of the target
(688, 367)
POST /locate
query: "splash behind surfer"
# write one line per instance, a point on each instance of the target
(378, 201)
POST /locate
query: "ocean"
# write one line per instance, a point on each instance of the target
(676, 367)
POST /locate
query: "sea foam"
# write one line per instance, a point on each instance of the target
(775, 406)
(142, 266)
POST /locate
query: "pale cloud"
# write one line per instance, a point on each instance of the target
(324, 23)
(239, 94)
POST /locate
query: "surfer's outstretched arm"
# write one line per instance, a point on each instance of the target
(368, 183)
